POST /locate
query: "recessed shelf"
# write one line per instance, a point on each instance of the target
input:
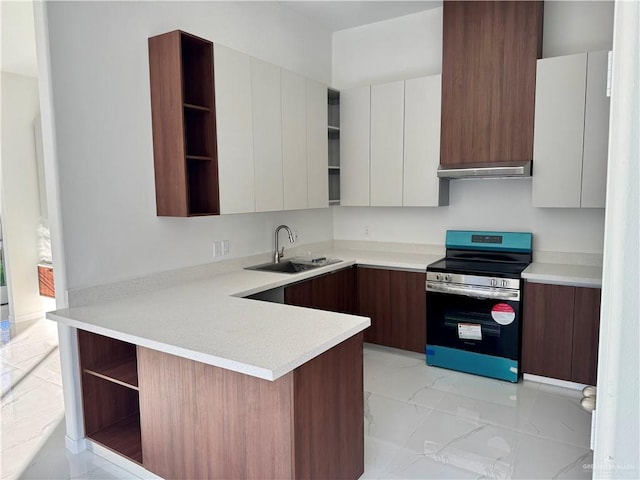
(192, 106)
(334, 202)
(123, 437)
(333, 129)
(123, 372)
(198, 157)
(331, 167)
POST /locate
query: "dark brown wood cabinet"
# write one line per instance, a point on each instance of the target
(184, 125)
(560, 332)
(489, 58)
(395, 300)
(334, 292)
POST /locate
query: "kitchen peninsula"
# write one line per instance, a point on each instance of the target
(191, 381)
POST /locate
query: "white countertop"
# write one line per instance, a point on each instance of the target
(563, 274)
(205, 320)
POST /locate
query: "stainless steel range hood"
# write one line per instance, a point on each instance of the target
(498, 171)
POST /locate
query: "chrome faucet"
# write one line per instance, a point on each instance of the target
(280, 251)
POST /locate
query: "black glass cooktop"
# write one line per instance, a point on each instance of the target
(478, 267)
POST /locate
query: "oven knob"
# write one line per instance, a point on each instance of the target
(447, 278)
(504, 283)
(494, 282)
(438, 276)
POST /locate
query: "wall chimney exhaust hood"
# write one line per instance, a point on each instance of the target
(522, 169)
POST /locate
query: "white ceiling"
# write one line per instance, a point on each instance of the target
(18, 35)
(18, 38)
(337, 15)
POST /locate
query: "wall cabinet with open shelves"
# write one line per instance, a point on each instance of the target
(333, 113)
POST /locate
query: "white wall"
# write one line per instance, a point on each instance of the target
(102, 112)
(361, 58)
(20, 197)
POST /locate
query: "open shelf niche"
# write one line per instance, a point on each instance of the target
(110, 393)
(333, 131)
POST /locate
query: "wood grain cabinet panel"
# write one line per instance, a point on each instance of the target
(396, 303)
(547, 331)
(560, 332)
(586, 328)
(334, 292)
(488, 81)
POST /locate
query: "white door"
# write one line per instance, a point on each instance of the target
(317, 146)
(387, 131)
(267, 135)
(355, 124)
(234, 130)
(596, 132)
(558, 131)
(294, 140)
(422, 187)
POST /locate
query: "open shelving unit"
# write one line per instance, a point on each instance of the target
(110, 393)
(184, 126)
(333, 131)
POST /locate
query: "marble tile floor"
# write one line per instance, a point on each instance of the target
(420, 422)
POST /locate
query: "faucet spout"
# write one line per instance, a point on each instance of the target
(280, 250)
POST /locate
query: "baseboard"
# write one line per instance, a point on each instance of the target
(554, 381)
(120, 461)
(75, 445)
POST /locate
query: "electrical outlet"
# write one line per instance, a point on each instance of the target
(366, 230)
(217, 249)
(225, 247)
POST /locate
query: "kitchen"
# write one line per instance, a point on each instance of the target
(104, 138)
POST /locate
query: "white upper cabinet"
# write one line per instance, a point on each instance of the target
(422, 103)
(267, 136)
(596, 133)
(387, 130)
(317, 145)
(355, 122)
(294, 140)
(571, 131)
(234, 120)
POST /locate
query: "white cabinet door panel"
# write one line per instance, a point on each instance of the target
(387, 131)
(317, 146)
(422, 103)
(294, 140)
(558, 131)
(596, 132)
(234, 130)
(267, 135)
(355, 118)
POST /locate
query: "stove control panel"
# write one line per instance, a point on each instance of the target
(457, 278)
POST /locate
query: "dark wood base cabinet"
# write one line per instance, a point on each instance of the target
(560, 332)
(184, 419)
(395, 301)
(334, 292)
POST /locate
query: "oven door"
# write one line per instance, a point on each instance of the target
(471, 322)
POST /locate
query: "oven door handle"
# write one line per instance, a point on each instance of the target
(474, 292)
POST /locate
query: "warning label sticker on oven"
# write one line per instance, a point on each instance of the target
(503, 313)
(469, 331)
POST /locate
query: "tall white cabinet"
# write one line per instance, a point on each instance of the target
(317, 145)
(355, 133)
(422, 105)
(234, 123)
(387, 131)
(267, 136)
(571, 131)
(294, 140)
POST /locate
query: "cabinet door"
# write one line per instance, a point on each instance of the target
(559, 128)
(334, 292)
(267, 135)
(355, 123)
(387, 130)
(489, 53)
(294, 140)
(317, 145)
(596, 132)
(396, 303)
(234, 123)
(422, 187)
(586, 327)
(299, 294)
(547, 330)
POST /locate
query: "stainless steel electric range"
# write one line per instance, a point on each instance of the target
(474, 303)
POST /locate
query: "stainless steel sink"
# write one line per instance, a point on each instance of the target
(288, 266)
